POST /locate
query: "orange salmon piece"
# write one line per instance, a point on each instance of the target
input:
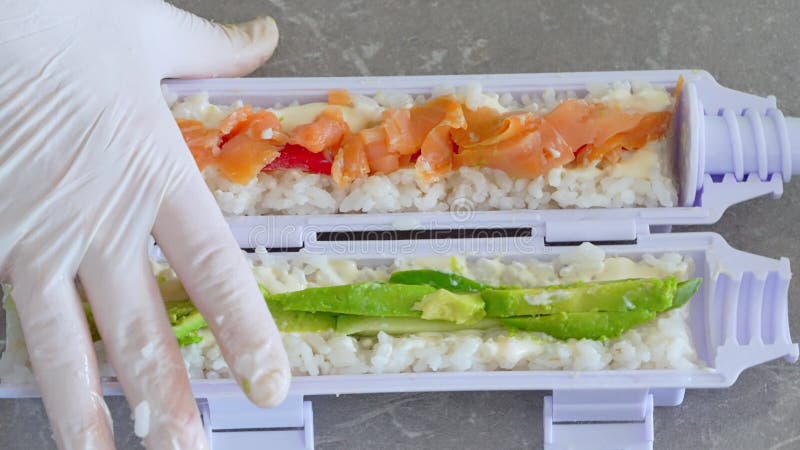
(649, 127)
(445, 110)
(240, 147)
(436, 157)
(202, 142)
(254, 123)
(400, 136)
(481, 123)
(339, 97)
(236, 122)
(605, 131)
(407, 129)
(243, 157)
(435, 120)
(325, 133)
(572, 118)
(265, 124)
(378, 155)
(525, 146)
(350, 162)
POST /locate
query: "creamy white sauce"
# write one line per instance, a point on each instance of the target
(649, 100)
(197, 107)
(588, 171)
(357, 118)
(620, 268)
(638, 163)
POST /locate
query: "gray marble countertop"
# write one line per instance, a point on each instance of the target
(750, 46)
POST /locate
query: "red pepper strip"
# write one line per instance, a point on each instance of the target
(297, 157)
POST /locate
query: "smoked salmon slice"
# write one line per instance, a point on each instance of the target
(598, 132)
(436, 155)
(244, 143)
(482, 122)
(339, 97)
(325, 133)
(243, 157)
(202, 142)
(525, 144)
(380, 159)
(649, 127)
(573, 119)
(350, 162)
(400, 137)
(435, 121)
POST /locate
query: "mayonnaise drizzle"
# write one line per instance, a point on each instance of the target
(292, 116)
(622, 268)
(638, 163)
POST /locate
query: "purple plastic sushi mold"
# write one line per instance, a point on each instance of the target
(730, 147)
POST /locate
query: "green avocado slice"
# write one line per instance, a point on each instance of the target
(300, 321)
(449, 306)
(654, 294)
(581, 325)
(364, 299)
(439, 280)
(370, 326)
(685, 292)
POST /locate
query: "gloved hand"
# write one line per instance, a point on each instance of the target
(91, 161)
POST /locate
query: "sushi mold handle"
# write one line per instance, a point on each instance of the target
(729, 147)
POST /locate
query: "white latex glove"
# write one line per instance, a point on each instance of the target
(91, 161)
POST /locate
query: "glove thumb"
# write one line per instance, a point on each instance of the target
(193, 47)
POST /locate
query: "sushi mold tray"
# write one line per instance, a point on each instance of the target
(729, 147)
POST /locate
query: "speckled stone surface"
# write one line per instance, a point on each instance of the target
(751, 46)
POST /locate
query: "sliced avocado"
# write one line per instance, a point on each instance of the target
(364, 299)
(439, 280)
(300, 321)
(655, 294)
(685, 291)
(452, 307)
(581, 325)
(187, 326)
(370, 326)
(178, 309)
(297, 321)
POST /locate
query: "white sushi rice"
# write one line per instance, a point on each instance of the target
(665, 343)
(642, 179)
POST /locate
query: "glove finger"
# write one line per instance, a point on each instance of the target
(62, 355)
(131, 318)
(197, 47)
(201, 249)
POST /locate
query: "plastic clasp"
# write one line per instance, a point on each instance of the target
(599, 420)
(233, 423)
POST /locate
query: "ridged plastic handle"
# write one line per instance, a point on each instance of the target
(752, 142)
